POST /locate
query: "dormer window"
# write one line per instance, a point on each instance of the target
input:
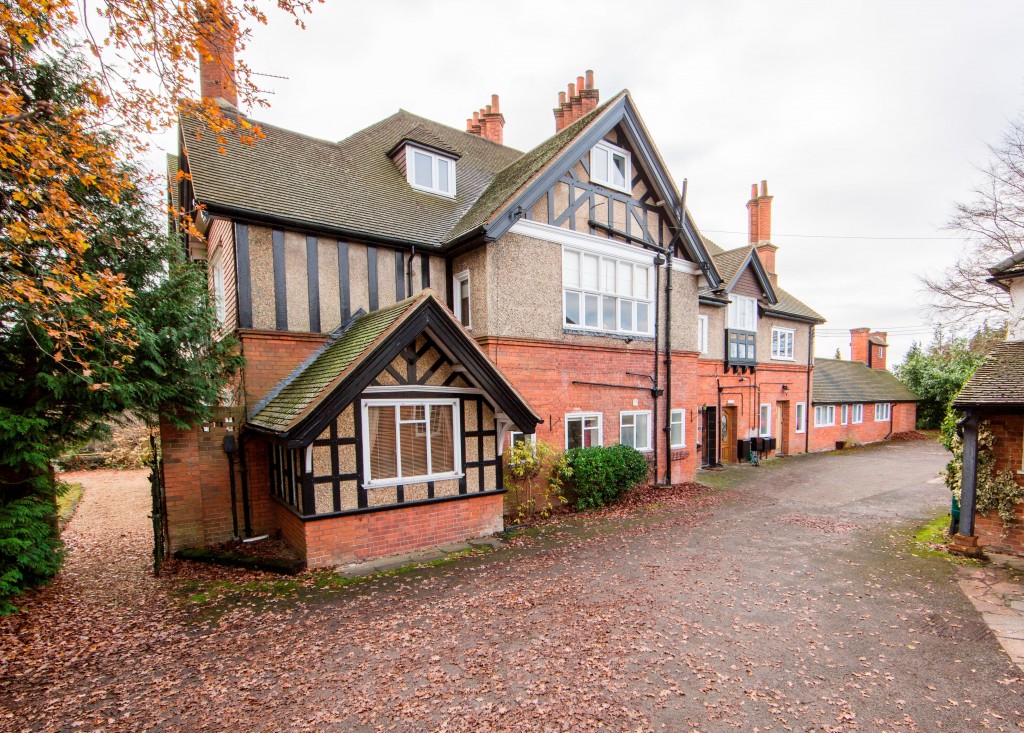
(430, 171)
(611, 166)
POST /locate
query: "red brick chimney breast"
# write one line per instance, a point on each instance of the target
(759, 218)
(488, 122)
(859, 345)
(216, 50)
(579, 98)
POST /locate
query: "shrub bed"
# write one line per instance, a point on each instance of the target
(602, 475)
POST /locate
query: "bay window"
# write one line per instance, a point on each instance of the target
(607, 294)
(410, 440)
(743, 313)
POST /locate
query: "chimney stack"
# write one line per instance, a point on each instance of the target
(579, 99)
(488, 123)
(759, 218)
(869, 347)
(216, 49)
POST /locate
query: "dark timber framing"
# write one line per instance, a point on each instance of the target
(371, 277)
(313, 278)
(344, 293)
(280, 282)
(243, 275)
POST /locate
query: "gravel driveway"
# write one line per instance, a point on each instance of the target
(785, 602)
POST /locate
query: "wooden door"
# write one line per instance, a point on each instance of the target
(728, 434)
(782, 428)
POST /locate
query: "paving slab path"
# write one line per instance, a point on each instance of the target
(788, 601)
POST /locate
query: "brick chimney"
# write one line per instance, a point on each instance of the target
(869, 347)
(579, 98)
(489, 122)
(759, 218)
(215, 46)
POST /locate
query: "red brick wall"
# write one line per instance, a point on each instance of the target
(356, 537)
(904, 416)
(544, 373)
(770, 384)
(1008, 431)
(270, 356)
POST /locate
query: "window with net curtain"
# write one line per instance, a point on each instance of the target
(410, 441)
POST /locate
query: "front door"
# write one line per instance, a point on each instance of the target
(728, 435)
(710, 452)
(782, 428)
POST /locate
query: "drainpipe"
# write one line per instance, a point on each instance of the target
(229, 451)
(807, 397)
(654, 379)
(246, 509)
(668, 339)
(408, 273)
(718, 427)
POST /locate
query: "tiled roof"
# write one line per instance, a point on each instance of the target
(877, 340)
(728, 262)
(1013, 263)
(514, 177)
(853, 381)
(351, 185)
(999, 381)
(314, 380)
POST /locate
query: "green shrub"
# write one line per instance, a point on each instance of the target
(601, 476)
(30, 549)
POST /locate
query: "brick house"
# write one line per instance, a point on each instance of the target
(995, 395)
(755, 341)
(859, 401)
(414, 298)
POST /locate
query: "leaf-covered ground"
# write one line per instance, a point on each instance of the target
(789, 602)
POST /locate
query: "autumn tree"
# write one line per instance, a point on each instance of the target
(99, 311)
(992, 225)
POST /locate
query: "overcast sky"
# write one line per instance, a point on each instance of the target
(868, 119)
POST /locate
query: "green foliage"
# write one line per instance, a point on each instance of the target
(601, 476)
(535, 474)
(937, 373)
(996, 492)
(172, 364)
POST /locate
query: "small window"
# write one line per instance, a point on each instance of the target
(429, 171)
(743, 313)
(881, 352)
(702, 334)
(882, 411)
(844, 414)
(217, 268)
(410, 440)
(611, 166)
(782, 343)
(765, 429)
(801, 417)
(858, 414)
(460, 292)
(824, 415)
(635, 430)
(582, 431)
(677, 434)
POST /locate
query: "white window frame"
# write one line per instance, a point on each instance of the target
(883, 411)
(458, 281)
(217, 271)
(410, 171)
(801, 417)
(765, 419)
(702, 334)
(783, 343)
(857, 414)
(602, 177)
(580, 416)
(602, 292)
(742, 313)
(636, 435)
(844, 414)
(881, 352)
(371, 483)
(678, 418)
(530, 438)
(829, 413)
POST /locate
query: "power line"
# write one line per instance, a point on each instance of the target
(843, 236)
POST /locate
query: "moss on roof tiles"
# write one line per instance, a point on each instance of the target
(339, 355)
(999, 381)
(853, 381)
(350, 185)
(516, 175)
(728, 263)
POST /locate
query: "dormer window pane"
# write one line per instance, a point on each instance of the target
(600, 163)
(442, 174)
(619, 170)
(424, 174)
(610, 166)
